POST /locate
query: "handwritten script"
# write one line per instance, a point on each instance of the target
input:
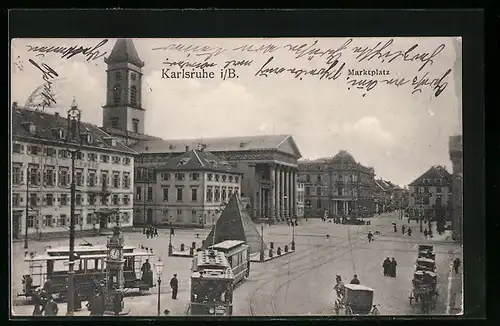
(91, 53)
(48, 75)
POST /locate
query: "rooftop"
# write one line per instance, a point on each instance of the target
(124, 51)
(432, 174)
(198, 161)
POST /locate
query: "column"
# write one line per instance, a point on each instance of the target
(292, 199)
(278, 192)
(282, 192)
(286, 193)
(272, 207)
(294, 186)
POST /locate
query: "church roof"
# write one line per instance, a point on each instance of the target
(434, 173)
(45, 124)
(222, 144)
(124, 51)
(235, 224)
(343, 157)
(199, 161)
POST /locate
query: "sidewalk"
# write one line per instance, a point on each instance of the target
(454, 304)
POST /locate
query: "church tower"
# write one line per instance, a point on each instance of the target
(123, 109)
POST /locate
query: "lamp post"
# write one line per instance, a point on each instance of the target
(159, 271)
(261, 241)
(73, 136)
(293, 235)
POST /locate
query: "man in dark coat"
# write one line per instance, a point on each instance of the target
(370, 236)
(51, 308)
(156, 232)
(456, 265)
(174, 284)
(385, 265)
(425, 233)
(47, 287)
(409, 231)
(147, 274)
(355, 280)
(96, 304)
(38, 303)
(395, 227)
(393, 265)
(403, 228)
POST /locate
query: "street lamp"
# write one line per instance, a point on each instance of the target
(159, 271)
(73, 136)
(261, 241)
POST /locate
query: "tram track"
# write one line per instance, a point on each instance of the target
(304, 269)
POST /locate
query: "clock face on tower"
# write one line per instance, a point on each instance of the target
(114, 254)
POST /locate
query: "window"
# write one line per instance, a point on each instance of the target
(16, 199)
(91, 199)
(114, 122)
(49, 199)
(318, 178)
(179, 194)
(48, 222)
(438, 190)
(224, 194)
(236, 191)
(217, 194)
(18, 148)
(92, 178)
(92, 157)
(179, 176)
(230, 178)
(217, 177)
(426, 190)
(165, 176)
(63, 177)
(116, 179)
(118, 75)
(229, 192)
(135, 125)
(116, 200)
(450, 189)
(340, 191)
(89, 219)
(117, 92)
(80, 156)
(318, 191)
(104, 178)
(236, 179)
(61, 221)
(133, 76)
(209, 194)
(78, 199)
(195, 176)
(224, 178)
(126, 217)
(126, 200)
(138, 193)
(210, 176)
(179, 215)
(150, 194)
(17, 175)
(165, 193)
(116, 160)
(79, 177)
(50, 152)
(49, 177)
(31, 221)
(319, 203)
(133, 95)
(126, 160)
(33, 150)
(193, 216)
(63, 154)
(63, 200)
(126, 180)
(34, 175)
(194, 194)
(104, 158)
(308, 191)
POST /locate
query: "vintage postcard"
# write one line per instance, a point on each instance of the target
(240, 177)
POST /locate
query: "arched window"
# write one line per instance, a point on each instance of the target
(117, 91)
(133, 95)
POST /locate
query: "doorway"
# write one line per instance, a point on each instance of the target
(16, 224)
(103, 221)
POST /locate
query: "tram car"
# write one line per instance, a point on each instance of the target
(212, 282)
(424, 289)
(237, 253)
(50, 269)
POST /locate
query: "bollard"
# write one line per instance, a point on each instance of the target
(279, 251)
(293, 245)
(191, 251)
(170, 250)
(271, 245)
(286, 248)
(182, 247)
(270, 253)
(193, 245)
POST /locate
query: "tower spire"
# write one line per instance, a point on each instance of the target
(124, 51)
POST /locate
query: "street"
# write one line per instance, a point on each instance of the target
(297, 284)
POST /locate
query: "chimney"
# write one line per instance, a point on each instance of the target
(187, 149)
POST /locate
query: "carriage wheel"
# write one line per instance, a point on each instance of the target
(348, 311)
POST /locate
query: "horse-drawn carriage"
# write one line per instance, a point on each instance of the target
(357, 300)
(426, 251)
(424, 290)
(425, 264)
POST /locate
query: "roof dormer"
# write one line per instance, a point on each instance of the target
(59, 132)
(110, 141)
(30, 127)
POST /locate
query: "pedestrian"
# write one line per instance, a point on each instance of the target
(174, 284)
(51, 308)
(96, 304)
(38, 303)
(385, 265)
(393, 267)
(147, 273)
(456, 265)
(409, 231)
(425, 233)
(430, 233)
(403, 228)
(395, 227)
(156, 231)
(355, 280)
(148, 233)
(370, 236)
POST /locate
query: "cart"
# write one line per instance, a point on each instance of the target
(425, 264)
(424, 290)
(358, 300)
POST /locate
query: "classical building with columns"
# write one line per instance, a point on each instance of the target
(268, 163)
(333, 186)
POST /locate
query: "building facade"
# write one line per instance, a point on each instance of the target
(333, 186)
(188, 190)
(41, 175)
(456, 156)
(300, 199)
(431, 194)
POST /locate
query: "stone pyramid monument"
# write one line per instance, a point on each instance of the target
(235, 224)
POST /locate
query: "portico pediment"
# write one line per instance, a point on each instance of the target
(288, 146)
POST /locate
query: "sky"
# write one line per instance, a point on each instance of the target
(398, 130)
